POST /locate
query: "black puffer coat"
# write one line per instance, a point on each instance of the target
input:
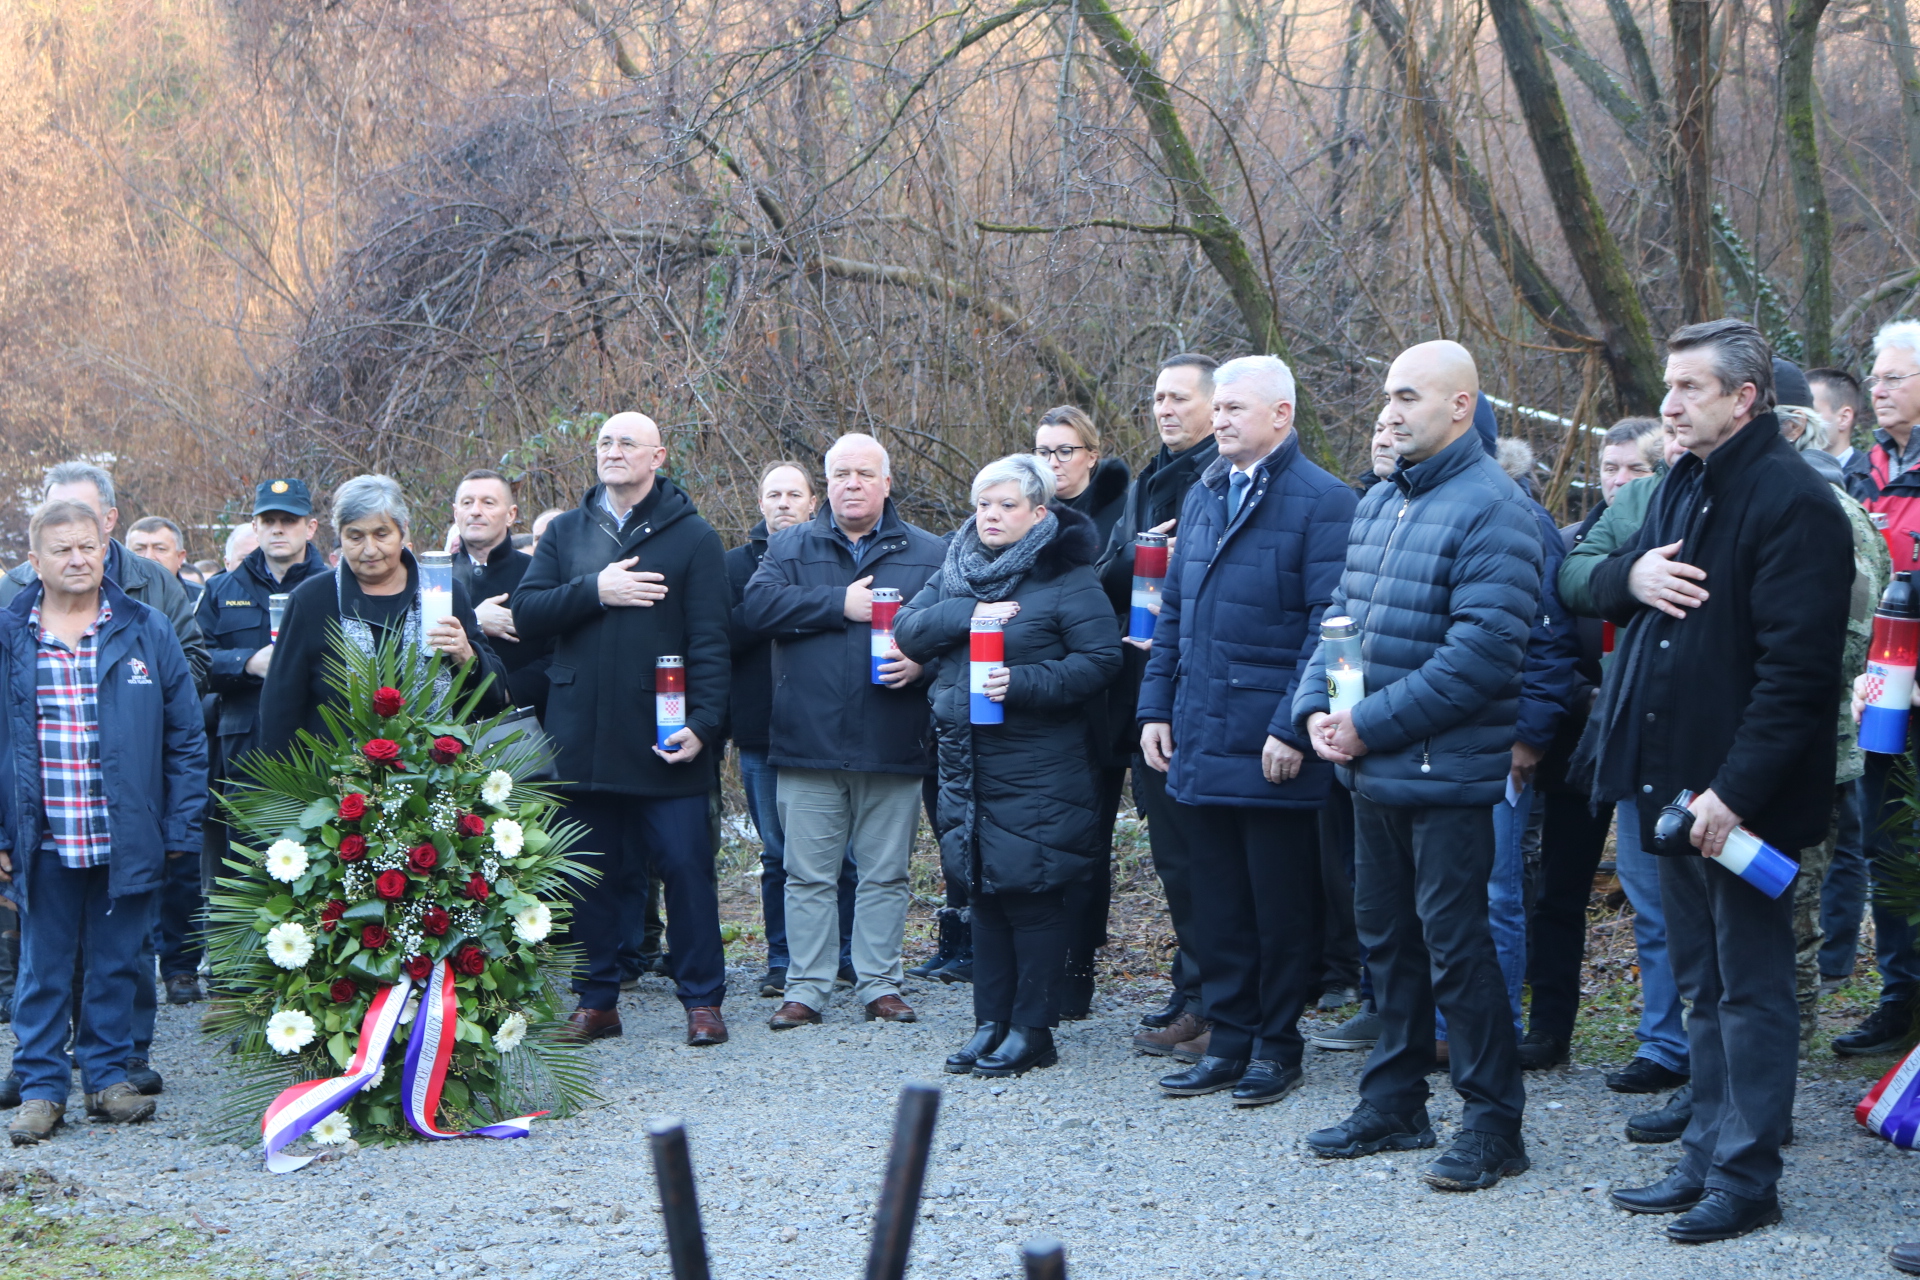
(1019, 801)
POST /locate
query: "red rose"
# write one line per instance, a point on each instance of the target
(392, 885)
(434, 921)
(353, 848)
(423, 857)
(419, 968)
(381, 751)
(477, 887)
(373, 937)
(387, 701)
(445, 749)
(471, 825)
(330, 915)
(470, 961)
(343, 990)
(353, 807)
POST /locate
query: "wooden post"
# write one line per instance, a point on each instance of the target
(906, 1176)
(1045, 1259)
(679, 1204)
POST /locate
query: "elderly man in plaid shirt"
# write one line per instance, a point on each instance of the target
(103, 775)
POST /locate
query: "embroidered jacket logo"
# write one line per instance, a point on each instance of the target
(137, 672)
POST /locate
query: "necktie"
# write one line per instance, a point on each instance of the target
(1237, 492)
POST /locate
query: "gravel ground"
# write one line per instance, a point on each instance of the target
(789, 1136)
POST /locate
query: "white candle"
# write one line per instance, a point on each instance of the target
(1345, 687)
(435, 604)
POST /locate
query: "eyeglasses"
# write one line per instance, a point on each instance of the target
(1063, 452)
(1889, 380)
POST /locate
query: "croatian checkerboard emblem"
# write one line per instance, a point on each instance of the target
(137, 672)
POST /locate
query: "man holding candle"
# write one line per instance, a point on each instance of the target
(1264, 533)
(851, 741)
(631, 575)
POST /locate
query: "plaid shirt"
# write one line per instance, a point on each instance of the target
(69, 723)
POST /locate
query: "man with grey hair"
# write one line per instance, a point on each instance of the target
(241, 543)
(850, 731)
(1262, 537)
(1894, 463)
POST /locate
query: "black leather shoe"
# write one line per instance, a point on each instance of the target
(1477, 1161)
(1905, 1258)
(1883, 1031)
(1540, 1051)
(1162, 1018)
(1644, 1075)
(1722, 1215)
(1666, 1124)
(1672, 1194)
(1266, 1082)
(775, 983)
(10, 1091)
(986, 1038)
(1209, 1075)
(1370, 1129)
(143, 1077)
(1023, 1049)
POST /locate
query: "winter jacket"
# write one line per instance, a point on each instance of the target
(143, 580)
(297, 685)
(1550, 677)
(153, 748)
(1898, 500)
(1019, 807)
(1443, 579)
(600, 695)
(1856, 473)
(827, 712)
(751, 703)
(1104, 499)
(1589, 634)
(234, 618)
(1617, 526)
(524, 661)
(1155, 497)
(1239, 619)
(1739, 695)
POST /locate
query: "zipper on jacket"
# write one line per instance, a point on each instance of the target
(1426, 756)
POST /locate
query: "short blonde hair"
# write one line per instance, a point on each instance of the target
(1074, 419)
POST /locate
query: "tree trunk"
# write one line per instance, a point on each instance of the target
(1219, 238)
(1809, 189)
(1691, 26)
(1629, 346)
(1900, 48)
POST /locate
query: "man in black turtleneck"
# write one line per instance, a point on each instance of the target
(1183, 411)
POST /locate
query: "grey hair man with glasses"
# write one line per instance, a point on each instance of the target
(1895, 460)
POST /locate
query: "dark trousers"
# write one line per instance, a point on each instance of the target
(1087, 902)
(1881, 814)
(1843, 893)
(1420, 895)
(1171, 864)
(1732, 952)
(177, 935)
(1019, 957)
(1570, 847)
(1342, 959)
(1256, 902)
(625, 836)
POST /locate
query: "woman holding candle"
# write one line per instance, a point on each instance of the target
(1019, 799)
(374, 593)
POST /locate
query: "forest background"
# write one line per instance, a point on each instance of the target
(265, 237)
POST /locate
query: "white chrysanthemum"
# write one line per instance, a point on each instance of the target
(534, 923)
(497, 787)
(289, 946)
(507, 837)
(330, 1130)
(286, 860)
(511, 1031)
(290, 1031)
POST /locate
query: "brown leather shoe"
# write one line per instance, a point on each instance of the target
(1195, 1049)
(790, 1015)
(705, 1026)
(592, 1024)
(1162, 1043)
(890, 1009)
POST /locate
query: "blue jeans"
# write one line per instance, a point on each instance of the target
(176, 934)
(1894, 934)
(1663, 1036)
(1843, 895)
(73, 918)
(1507, 901)
(759, 779)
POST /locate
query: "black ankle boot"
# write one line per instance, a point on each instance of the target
(986, 1038)
(1023, 1049)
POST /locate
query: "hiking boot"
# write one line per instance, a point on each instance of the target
(1361, 1031)
(1883, 1031)
(1477, 1161)
(1370, 1129)
(120, 1104)
(36, 1121)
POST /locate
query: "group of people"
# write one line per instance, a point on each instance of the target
(1378, 731)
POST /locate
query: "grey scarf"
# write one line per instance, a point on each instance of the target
(971, 570)
(359, 634)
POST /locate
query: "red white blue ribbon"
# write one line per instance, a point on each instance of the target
(298, 1109)
(1892, 1107)
(429, 1050)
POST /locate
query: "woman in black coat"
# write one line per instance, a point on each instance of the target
(1019, 804)
(374, 594)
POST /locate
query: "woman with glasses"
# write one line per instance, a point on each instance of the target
(1069, 444)
(1018, 812)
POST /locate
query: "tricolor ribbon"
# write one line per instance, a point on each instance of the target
(1892, 1107)
(429, 1049)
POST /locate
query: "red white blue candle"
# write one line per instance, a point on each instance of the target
(987, 649)
(886, 607)
(1891, 658)
(1757, 862)
(1149, 576)
(669, 699)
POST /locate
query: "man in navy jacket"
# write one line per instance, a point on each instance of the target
(1262, 538)
(1443, 580)
(103, 777)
